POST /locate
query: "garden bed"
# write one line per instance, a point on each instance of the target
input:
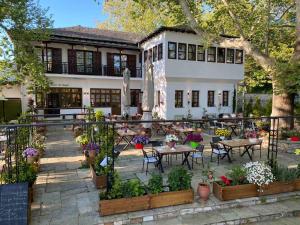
(225, 193)
(153, 201)
(99, 181)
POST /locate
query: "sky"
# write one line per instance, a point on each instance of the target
(74, 12)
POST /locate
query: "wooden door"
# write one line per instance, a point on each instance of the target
(115, 101)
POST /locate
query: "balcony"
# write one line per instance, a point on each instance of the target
(81, 69)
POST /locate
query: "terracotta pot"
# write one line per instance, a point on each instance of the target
(203, 191)
(172, 144)
(139, 146)
(92, 153)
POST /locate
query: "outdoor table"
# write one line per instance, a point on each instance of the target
(232, 126)
(125, 135)
(184, 130)
(161, 151)
(237, 143)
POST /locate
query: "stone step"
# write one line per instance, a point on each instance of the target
(282, 221)
(255, 214)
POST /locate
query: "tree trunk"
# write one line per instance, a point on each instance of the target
(283, 105)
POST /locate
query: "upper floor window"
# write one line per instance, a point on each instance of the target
(221, 55)
(84, 60)
(195, 98)
(135, 97)
(145, 55)
(154, 53)
(172, 49)
(225, 98)
(178, 99)
(239, 56)
(200, 53)
(192, 52)
(211, 54)
(230, 55)
(160, 51)
(181, 51)
(150, 55)
(211, 98)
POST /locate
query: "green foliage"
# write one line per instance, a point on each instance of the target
(99, 115)
(238, 175)
(116, 190)
(285, 133)
(284, 174)
(155, 184)
(82, 139)
(100, 170)
(298, 170)
(132, 188)
(179, 179)
(257, 109)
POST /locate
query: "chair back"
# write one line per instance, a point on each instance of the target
(200, 148)
(214, 145)
(156, 143)
(215, 139)
(144, 153)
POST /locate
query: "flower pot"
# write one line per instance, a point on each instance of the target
(92, 153)
(139, 146)
(203, 191)
(171, 144)
(31, 159)
(252, 140)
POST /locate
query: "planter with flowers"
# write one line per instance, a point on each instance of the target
(251, 135)
(99, 171)
(255, 179)
(222, 133)
(193, 139)
(171, 140)
(90, 151)
(31, 155)
(82, 140)
(140, 141)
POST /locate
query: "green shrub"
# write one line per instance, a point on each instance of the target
(116, 189)
(285, 133)
(285, 174)
(238, 175)
(179, 179)
(132, 188)
(99, 115)
(155, 184)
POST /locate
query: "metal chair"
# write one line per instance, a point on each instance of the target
(149, 159)
(217, 150)
(197, 155)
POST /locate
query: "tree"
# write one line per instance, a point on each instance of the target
(22, 22)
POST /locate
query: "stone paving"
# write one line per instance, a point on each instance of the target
(65, 194)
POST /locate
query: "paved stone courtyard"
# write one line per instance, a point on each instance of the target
(65, 194)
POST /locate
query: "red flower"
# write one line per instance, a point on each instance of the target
(225, 180)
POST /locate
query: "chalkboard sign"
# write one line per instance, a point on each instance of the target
(14, 204)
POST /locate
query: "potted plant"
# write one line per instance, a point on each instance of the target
(82, 140)
(203, 190)
(208, 172)
(99, 171)
(222, 133)
(251, 135)
(92, 149)
(171, 140)
(193, 139)
(140, 141)
(30, 154)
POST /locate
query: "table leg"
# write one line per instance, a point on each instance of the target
(159, 163)
(185, 160)
(228, 154)
(247, 151)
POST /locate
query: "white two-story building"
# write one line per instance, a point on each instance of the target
(85, 68)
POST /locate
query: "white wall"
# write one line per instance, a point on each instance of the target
(17, 91)
(198, 69)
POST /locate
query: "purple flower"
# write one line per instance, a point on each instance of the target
(30, 152)
(193, 137)
(141, 140)
(91, 146)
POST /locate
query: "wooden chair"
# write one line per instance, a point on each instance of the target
(217, 150)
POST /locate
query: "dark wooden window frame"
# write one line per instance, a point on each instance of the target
(93, 95)
(210, 54)
(178, 98)
(160, 51)
(135, 95)
(195, 98)
(241, 60)
(85, 52)
(230, 57)
(201, 53)
(223, 51)
(63, 95)
(175, 50)
(150, 52)
(192, 52)
(145, 55)
(181, 51)
(210, 98)
(225, 98)
(155, 56)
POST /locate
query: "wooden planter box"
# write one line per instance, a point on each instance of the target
(297, 185)
(234, 192)
(123, 205)
(99, 181)
(278, 187)
(171, 198)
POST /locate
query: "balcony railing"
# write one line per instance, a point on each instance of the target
(83, 69)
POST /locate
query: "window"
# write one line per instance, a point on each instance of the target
(160, 51)
(84, 60)
(178, 99)
(40, 100)
(192, 52)
(172, 48)
(182, 51)
(154, 53)
(105, 97)
(119, 63)
(221, 55)
(200, 53)
(195, 98)
(230, 55)
(135, 97)
(150, 55)
(158, 98)
(225, 98)
(45, 56)
(239, 56)
(65, 97)
(211, 98)
(145, 55)
(211, 54)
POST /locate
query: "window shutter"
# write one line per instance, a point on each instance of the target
(97, 66)
(72, 61)
(131, 62)
(110, 65)
(56, 60)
